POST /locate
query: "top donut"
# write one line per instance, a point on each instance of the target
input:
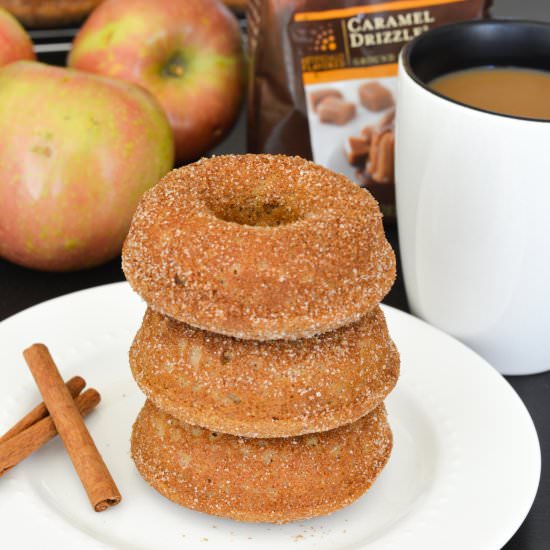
(259, 247)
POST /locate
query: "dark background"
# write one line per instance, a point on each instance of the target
(21, 288)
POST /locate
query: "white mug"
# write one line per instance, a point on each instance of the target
(473, 198)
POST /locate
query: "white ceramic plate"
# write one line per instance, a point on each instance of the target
(463, 473)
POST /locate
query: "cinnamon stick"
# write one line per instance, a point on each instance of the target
(75, 385)
(23, 444)
(87, 461)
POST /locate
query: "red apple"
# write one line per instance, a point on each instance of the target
(187, 53)
(76, 154)
(15, 43)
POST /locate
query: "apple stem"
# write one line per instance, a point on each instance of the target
(175, 70)
(175, 66)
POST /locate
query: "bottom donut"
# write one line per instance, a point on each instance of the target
(260, 480)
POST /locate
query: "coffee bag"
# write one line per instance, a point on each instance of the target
(323, 79)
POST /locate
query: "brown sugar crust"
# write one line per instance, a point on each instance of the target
(265, 389)
(259, 247)
(262, 480)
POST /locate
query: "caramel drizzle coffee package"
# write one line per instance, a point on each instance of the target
(323, 80)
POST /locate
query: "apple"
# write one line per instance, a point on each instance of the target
(15, 43)
(76, 154)
(187, 53)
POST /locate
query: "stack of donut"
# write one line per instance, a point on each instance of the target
(264, 355)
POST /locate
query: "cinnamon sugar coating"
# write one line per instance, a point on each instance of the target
(265, 389)
(259, 247)
(262, 480)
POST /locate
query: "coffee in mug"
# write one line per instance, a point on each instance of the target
(506, 90)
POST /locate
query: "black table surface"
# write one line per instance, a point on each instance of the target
(21, 288)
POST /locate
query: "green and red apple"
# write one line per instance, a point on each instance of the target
(187, 53)
(15, 43)
(77, 152)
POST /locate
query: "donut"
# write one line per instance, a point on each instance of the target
(260, 480)
(278, 388)
(259, 247)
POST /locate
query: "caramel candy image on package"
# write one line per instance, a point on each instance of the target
(367, 132)
(357, 149)
(375, 97)
(385, 123)
(372, 151)
(320, 95)
(335, 111)
(380, 166)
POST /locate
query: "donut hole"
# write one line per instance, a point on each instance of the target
(256, 211)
